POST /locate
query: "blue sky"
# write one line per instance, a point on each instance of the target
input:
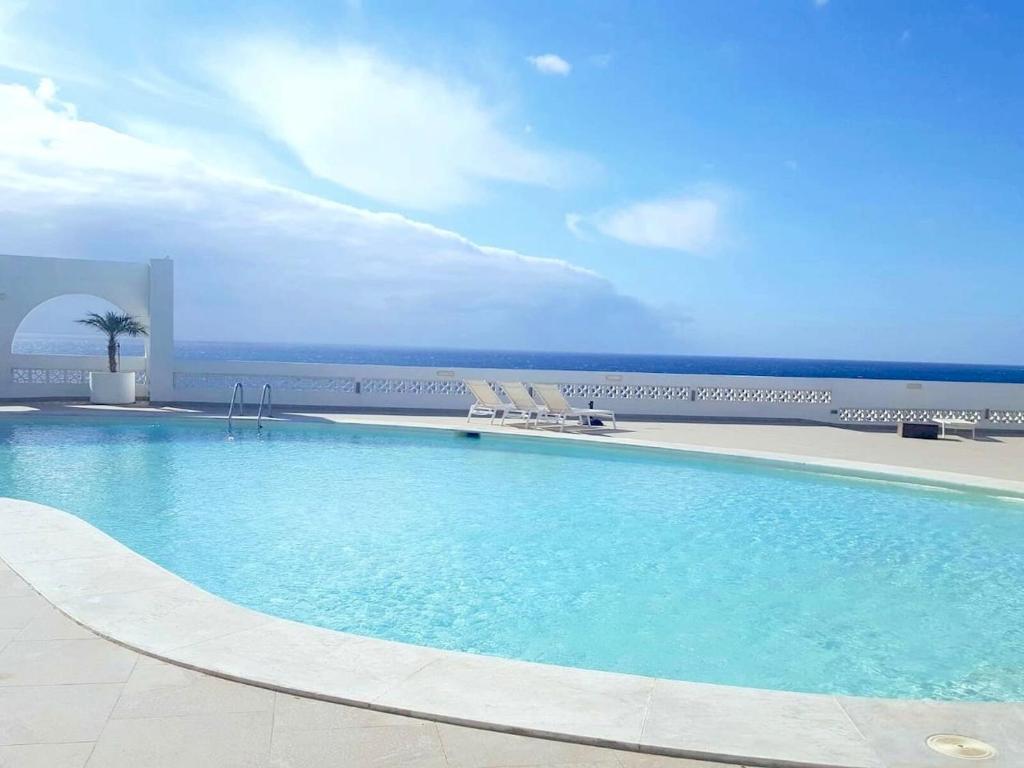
(803, 178)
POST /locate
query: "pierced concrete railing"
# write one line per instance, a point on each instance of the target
(46, 376)
(685, 396)
(835, 401)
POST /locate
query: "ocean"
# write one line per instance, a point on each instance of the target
(27, 343)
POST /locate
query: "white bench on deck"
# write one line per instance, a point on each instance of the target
(957, 424)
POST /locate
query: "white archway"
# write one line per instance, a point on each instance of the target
(145, 290)
(52, 328)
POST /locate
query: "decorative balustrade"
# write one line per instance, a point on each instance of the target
(413, 386)
(22, 375)
(1006, 417)
(763, 395)
(894, 415)
(625, 391)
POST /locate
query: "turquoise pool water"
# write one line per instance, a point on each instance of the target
(606, 558)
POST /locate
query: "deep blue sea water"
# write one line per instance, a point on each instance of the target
(566, 361)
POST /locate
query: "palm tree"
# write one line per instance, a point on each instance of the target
(115, 324)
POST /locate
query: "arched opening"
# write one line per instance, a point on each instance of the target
(51, 329)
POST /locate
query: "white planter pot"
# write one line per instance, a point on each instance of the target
(112, 388)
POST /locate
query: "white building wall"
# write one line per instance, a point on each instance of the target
(28, 281)
(161, 329)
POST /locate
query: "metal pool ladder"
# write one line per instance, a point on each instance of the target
(239, 392)
(264, 398)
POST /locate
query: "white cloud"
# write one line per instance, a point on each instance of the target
(550, 64)
(820, 3)
(46, 91)
(689, 223)
(600, 60)
(22, 49)
(574, 222)
(388, 131)
(227, 152)
(257, 261)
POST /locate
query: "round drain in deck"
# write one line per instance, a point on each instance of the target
(953, 745)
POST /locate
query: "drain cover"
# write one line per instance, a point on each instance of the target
(952, 745)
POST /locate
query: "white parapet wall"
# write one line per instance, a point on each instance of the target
(681, 396)
(833, 401)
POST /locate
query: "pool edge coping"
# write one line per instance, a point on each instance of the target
(469, 685)
(814, 464)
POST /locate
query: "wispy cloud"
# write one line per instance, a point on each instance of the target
(284, 265)
(24, 51)
(692, 223)
(820, 3)
(574, 223)
(550, 64)
(392, 132)
(600, 60)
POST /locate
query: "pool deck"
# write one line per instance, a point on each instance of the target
(114, 592)
(70, 699)
(997, 456)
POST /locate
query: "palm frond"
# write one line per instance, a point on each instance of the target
(115, 324)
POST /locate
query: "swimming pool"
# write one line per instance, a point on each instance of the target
(637, 561)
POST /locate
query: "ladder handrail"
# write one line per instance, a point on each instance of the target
(264, 396)
(239, 390)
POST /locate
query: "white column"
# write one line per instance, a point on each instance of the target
(7, 329)
(160, 361)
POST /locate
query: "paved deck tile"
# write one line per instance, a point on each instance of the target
(226, 740)
(46, 755)
(6, 635)
(898, 730)
(17, 612)
(158, 689)
(64, 662)
(388, 745)
(475, 748)
(297, 713)
(55, 713)
(12, 586)
(51, 624)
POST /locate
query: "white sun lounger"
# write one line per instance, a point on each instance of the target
(559, 408)
(487, 401)
(523, 403)
(965, 424)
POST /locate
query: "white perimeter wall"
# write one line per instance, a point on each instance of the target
(369, 387)
(850, 401)
(147, 290)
